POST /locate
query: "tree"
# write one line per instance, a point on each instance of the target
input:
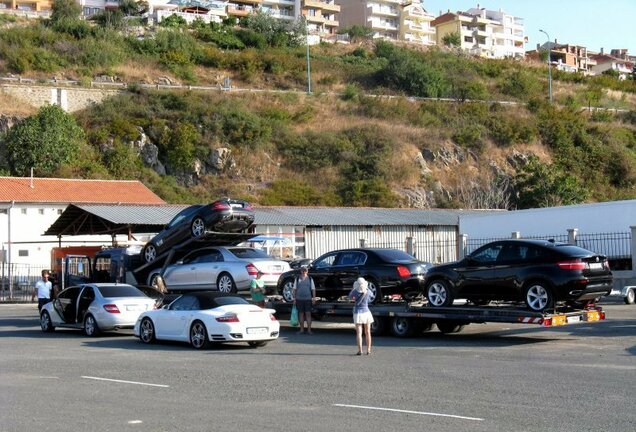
(43, 141)
(541, 185)
(593, 95)
(62, 10)
(357, 32)
(452, 39)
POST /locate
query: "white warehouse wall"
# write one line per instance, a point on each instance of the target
(606, 217)
(28, 223)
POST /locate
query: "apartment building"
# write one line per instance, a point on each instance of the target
(322, 16)
(568, 57)
(415, 24)
(389, 19)
(606, 62)
(483, 32)
(27, 5)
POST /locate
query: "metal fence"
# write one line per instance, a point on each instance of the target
(17, 281)
(616, 246)
(475, 243)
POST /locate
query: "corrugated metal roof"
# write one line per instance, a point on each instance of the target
(79, 219)
(353, 216)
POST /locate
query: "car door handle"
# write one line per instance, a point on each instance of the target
(193, 268)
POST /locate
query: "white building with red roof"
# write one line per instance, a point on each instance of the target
(28, 206)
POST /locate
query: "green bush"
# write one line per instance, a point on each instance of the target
(294, 193)
(251, 39)
(351, 92)
(520, 84)
(604, 116)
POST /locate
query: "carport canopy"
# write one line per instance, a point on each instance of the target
(128, 219)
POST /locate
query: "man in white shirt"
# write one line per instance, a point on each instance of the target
(43, 289)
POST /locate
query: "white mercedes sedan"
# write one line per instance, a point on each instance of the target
(95, 307)
(202, 318)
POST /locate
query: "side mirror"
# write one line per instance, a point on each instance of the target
(165, 306)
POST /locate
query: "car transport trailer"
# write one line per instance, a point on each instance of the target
(405, 320)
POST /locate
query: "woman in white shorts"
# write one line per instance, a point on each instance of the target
(362, 316)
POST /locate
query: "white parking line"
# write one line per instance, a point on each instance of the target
(410, 412)
(125, 382)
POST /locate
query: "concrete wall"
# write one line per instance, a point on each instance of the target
(70, 99)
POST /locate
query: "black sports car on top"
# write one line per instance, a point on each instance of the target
(388, 271)
(538, 272)
(224, 215)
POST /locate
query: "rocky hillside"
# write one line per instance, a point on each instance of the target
(359, 139)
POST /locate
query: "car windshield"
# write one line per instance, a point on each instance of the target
(248, 253)
(394, 255)
(212, 302)
(120, 291)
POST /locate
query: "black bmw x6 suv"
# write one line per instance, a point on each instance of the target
(537, 272)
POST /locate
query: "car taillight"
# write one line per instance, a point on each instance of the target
(111, 308)
(228, 318)
(251, 269)
(220, 205)
(403, 271)
(272, 317)
(571, 265)
(248, 207)
(606, 265)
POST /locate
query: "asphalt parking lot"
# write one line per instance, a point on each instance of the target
(490, 377)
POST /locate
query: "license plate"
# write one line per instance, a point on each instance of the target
(573, 319)
(276, 268)
(133, 307)
(593, 316)
(596, 266)
(257, 330)
(236, 206)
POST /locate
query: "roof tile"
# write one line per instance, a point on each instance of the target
(53, 190)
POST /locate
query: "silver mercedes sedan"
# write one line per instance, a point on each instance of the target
(226, 269)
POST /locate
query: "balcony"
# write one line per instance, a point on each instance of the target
(331, 23)
(382, 11)
(377, 25)
(239, 10)
(420, 28)
(279, 2)
(317, 4)
(315, 19)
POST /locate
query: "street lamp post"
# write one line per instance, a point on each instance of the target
(549, 65)
(308, 62)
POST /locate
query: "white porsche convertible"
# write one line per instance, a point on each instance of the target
(202, 318)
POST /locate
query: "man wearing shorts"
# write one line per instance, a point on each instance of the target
(304, 298)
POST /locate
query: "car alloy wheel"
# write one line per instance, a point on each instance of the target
(630, 296)
(198, 335)
(538, 297)
(147, 331)
(226, 284)
(288, 290)
(439, 294)
(198, 227)
(45, 322)
(150, 252)
(375, 294)
(90, 326)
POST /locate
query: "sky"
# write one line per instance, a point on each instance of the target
(594, 24)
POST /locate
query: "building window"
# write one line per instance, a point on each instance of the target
(41, 211)
(3, 211)
(23, 252)
(23, 211)
(59, 211)
(311, 12)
